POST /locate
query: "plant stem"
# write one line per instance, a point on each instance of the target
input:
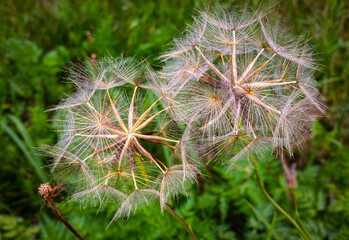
(277, 206)
(170, 210)
(63, 220)
(48, 193)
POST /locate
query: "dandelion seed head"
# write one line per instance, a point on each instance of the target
(108, 131)
(255, 84)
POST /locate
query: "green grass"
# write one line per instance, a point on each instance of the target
(39, 38)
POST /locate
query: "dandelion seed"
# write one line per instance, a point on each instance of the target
(171, 183)
(135, 200)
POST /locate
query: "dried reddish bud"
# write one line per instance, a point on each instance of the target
(45, 190)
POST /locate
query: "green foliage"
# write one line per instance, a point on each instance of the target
(39, 38)
(16, 228)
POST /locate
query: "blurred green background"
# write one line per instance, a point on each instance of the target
(39, 38)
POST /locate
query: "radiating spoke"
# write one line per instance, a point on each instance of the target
(266, 84)
(223, 63)
(236, 117)
(147, 154)
(262, 103)
(145, 123)
(152, 137)
(249, 67)
(131, 110)
(114, 144)
(234, 66)
(242, 80)
(116, 113)
(102, 135)
(251, 128)
(158, 142)
(221, 75)
(146, 112)
(123, 152)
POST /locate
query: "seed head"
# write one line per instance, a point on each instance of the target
(242, 83)
(108, 133)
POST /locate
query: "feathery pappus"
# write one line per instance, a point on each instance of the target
(242, 82)
(109, 130)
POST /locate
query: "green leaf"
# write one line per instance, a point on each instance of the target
(22, 51)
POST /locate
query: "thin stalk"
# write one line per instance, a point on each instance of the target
(170, 210)
(47, 193)
(63, 220)
(277, 206)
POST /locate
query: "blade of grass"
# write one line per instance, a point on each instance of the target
(21, 145)
(261, 218)
(27, 138)
(272, 227)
